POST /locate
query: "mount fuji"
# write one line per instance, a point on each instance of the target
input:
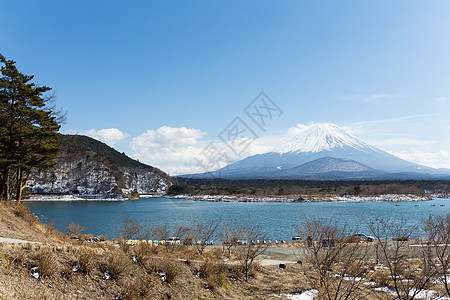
(323, 151)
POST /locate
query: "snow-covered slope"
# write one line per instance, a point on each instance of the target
(322, 137)
(318, 141)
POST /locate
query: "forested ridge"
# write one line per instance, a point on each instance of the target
(273, 187)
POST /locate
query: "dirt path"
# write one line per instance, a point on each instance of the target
(15, 241)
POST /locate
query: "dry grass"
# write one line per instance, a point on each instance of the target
(117, 263)
(131, 280)
(138, 287)
(168, 269)
(143, 251)
(215, 274)
(102, 238)
(22, 211)
(87, 260)
(157, 275)
(5, 261)
(47, 263)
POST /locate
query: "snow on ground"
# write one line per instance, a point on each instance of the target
(440, 280)
(306, 295)
(424, 294)
(93, 197)
(345, 198)
(352, 278)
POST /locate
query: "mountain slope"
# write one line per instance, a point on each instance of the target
(329, 164)
(318, 141)
(87, 166)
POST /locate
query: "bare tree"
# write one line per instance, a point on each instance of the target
(248, 249)
(410, 271)
(161, 232)
(131, 229)
(202, 233)
(75, 229)
(184, 233)
(338, 262)
(230, 237)
(437, 235)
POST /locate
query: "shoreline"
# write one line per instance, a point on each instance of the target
(227, 198)
(281, 199)
(83, 198)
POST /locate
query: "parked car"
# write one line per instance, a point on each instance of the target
(362, 237)
(174, 240)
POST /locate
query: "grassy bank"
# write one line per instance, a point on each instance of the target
(79, 266)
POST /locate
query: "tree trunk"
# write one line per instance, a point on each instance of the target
(19, 186)
(246, 271)
(4, 186)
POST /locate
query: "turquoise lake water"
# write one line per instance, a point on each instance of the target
(277, 220)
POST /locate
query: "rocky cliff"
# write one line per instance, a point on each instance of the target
(87, 166)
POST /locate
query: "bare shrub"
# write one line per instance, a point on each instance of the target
(216, 274)
(172, 269)
(184, 233)
(215, 253)
(87, 260)
(337, 262)
(143, 251)
(411, 272)
(137, 287)
(218, 280)
(47, 263)
(166, 268)
(102, 238)
(117, 263)
(437, 234)
(249, 250)
(22, 211)
(131, 229)
(75, 229)
(163, 233)
(230, 237)
(202, 233)
(381, 277)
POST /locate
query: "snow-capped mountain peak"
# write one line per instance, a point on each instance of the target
(319, 137)
(323, 151)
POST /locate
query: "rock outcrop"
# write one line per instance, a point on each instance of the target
(87, 166)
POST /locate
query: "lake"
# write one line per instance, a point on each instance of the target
(278, 220)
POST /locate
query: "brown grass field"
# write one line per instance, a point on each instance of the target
(76, 268)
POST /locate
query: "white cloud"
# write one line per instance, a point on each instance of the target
(439, 159)
(441, 99)
(372, 98)
(172, 149)
(170, 136)
(108, 136)
(184, 151)
(257, 146)
(297, 129)
(399, 141)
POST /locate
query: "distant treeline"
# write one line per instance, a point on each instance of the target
(274, 187)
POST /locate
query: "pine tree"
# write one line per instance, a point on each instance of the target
(28, 130)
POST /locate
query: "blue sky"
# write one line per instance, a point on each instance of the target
(160, 80)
